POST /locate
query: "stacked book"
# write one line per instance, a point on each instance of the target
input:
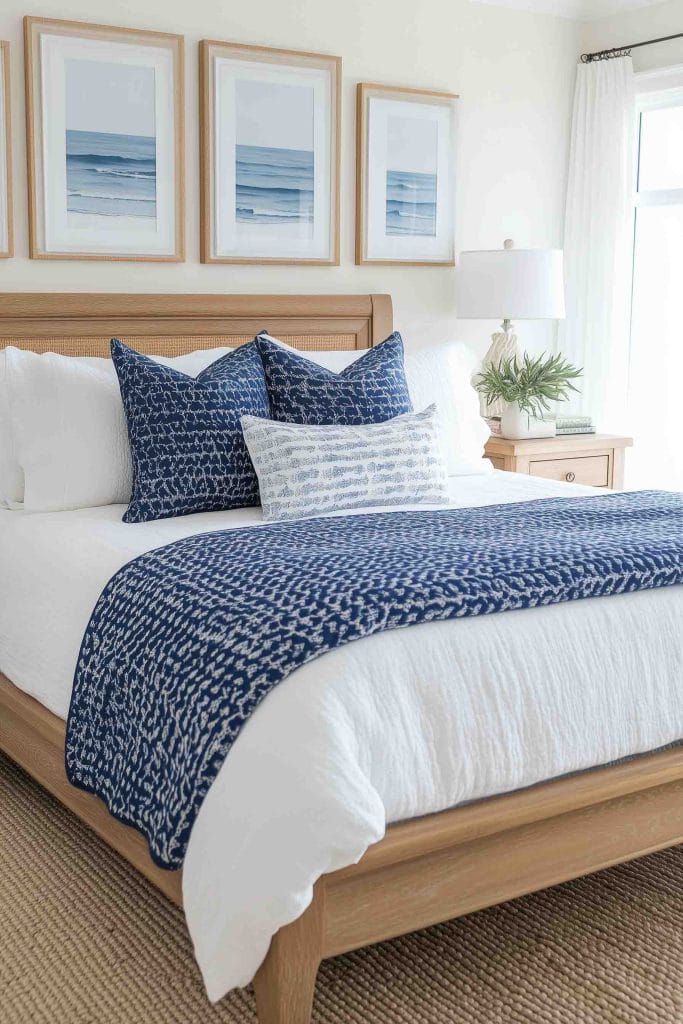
(574, 425)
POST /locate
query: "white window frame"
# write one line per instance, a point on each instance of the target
(654, 91)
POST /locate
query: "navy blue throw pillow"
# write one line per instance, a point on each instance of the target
(372, 389)
(186, 441)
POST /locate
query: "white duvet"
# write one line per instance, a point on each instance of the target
(392, 726)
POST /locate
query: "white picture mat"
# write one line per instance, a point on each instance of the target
(4, 197)
(154, 239)
(235, 239)
(379, 245)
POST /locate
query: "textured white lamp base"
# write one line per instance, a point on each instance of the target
(503, 346)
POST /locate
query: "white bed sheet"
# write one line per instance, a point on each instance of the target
(392, 726)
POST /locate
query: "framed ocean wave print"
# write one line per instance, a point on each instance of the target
(6, 247)
(270, 124)
(405, 180)
(104, 113)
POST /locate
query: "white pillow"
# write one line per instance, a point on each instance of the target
(11, 476)
(69, 429)
(441, 376)
(306, 470)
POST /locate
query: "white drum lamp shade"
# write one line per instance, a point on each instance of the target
(511, 284)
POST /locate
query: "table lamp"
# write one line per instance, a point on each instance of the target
(515, 284)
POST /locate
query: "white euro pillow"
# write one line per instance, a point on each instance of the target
(11, 476)
(310, 470)
(68, 427)
(440, 375)
(443, 375)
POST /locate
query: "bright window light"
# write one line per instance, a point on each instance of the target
(661, 149)
(656, 354)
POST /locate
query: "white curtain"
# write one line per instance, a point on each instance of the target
(598, 239)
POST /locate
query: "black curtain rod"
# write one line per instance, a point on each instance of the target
(624, 51)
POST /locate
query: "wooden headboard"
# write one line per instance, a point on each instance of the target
(83, 324)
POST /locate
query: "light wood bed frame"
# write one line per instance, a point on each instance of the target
(426, 870)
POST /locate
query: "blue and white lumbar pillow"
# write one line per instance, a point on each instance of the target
(306, 470)
(372, 389)
(186, 441)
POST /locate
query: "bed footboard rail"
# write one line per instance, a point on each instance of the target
(440, 867)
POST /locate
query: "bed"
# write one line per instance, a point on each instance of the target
(426, 868)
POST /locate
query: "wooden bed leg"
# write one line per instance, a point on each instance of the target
(285, 981)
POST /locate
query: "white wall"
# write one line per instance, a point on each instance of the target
(514, 72)
(636, 26)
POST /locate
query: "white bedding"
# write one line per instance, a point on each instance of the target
(395, 725)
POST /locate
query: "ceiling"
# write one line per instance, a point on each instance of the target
(580, 9)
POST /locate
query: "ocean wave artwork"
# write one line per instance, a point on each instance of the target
(274, 185)
(110, 175)
(410, 203)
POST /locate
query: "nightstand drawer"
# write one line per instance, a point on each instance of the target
(593, 459)
(592, 470)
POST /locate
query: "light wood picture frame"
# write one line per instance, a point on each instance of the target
(6, 215)
(270, 123)
(105, 142)
(405, 176)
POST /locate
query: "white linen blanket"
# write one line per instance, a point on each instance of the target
(392, 726)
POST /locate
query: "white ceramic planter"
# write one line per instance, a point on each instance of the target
(517, 425)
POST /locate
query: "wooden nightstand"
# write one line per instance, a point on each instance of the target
(594, 459)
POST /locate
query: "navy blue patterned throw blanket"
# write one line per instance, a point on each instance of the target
(187, 640)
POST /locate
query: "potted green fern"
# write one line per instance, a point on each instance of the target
(527, 387)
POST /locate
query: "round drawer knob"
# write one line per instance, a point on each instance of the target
(570, 477)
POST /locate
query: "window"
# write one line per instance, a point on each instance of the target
(656, 354)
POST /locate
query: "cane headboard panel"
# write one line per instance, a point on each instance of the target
(83, 324)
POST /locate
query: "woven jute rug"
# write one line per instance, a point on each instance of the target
(85, 940)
